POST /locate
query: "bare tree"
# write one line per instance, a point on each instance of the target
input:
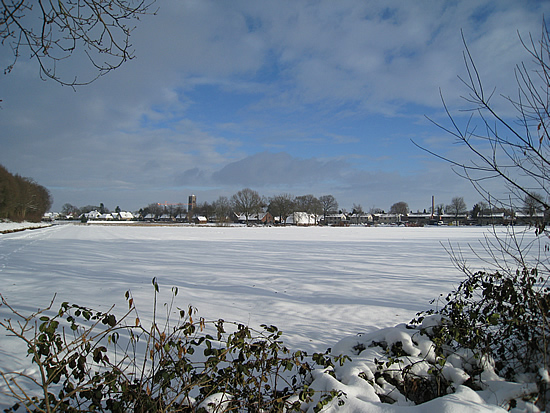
(375, 210)
(456, 207)
(511, 156)
(154, 209)
(356, 212)
(309, 204)
(222, 209)
(53, 31)
(69, 209)
(532, 204)
(247, 202)
(328, 205)
(179, 210)
(281, 206)
(517, 153)
(206, 209)
(400, 208)
(22, 198)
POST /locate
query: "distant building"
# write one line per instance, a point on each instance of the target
(303, 219)
(336, 220)
(192, 203)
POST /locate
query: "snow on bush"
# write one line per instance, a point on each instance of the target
(392, 368)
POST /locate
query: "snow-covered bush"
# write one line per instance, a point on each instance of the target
(391, 368)
(87, 360)
(502, 317)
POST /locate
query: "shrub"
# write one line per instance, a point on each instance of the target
(502, 317)
(93, 361)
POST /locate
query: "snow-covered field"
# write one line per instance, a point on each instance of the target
(317, 284)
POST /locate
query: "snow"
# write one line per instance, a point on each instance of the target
(6, 227)
(323, 287)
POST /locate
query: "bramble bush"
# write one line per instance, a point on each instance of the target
(90, 360)
(501, 316)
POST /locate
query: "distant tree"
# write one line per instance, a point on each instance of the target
(117, 209)
(439, 209)
(52, 31)
(170, 210)
(281, 206)
(7, 192)
(103, 209)
(484, 207)
(179, 209)
(477, 212)
(400, 208)
(87, 208)
(222, 209)
(533, 203)
(69, 209)
(456, 207)
(153, 209)
(328, 205)
(247, 202)
(357, 211)
(35, 200)
(309, 204)
(206, 209)
(22, 198)
(376, 210)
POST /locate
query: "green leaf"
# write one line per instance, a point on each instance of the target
(493, 319)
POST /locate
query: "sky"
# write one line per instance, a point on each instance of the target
(299, 97)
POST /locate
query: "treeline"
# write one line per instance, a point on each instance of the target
(22, 199)
(248, 203)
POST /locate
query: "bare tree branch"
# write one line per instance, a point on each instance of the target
(516, 152)
(53, 31)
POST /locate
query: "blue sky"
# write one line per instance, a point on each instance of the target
(292, 97)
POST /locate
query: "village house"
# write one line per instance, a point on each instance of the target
(386, 219)
(91, 215)
(419, 219)
(124, 216)
(263, 218)
(303, 219)
(360, 219)
(200, 220)
(335, 220)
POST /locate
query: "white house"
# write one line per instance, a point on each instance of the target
(125, 216)
(200, 220)
(387, 218)
(360, 219)
(336, 219)
(303, 218)
(92, 215)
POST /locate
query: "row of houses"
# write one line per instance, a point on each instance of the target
(92, 215)
(419, 219)
(340, 219)
(412, 219)
(112, 216)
